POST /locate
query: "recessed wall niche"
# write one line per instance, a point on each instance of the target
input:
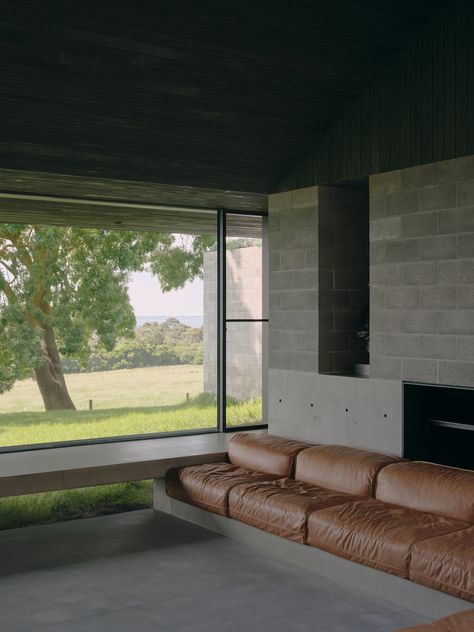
(343, 233)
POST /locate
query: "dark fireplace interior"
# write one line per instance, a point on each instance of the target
(439, 424)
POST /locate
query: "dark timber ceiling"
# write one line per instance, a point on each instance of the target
(219, 94)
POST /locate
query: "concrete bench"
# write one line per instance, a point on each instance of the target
(55, 469)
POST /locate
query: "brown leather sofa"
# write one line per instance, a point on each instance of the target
(460, 622)
(408, 518)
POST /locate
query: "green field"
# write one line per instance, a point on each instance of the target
(125, 402)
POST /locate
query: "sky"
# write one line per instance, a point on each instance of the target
(147, 299)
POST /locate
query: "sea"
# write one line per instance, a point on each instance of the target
(191, 321)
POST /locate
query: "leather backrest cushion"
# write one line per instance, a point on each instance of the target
(341, 468)
(438, 489)
(265, 453)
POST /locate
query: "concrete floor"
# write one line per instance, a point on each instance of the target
(147, 571)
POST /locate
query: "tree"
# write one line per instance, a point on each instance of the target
(62, 287)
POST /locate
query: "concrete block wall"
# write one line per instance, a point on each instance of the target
(343, 240)
(421, 301)
(293, 280)
(422, 273)
(244, 340)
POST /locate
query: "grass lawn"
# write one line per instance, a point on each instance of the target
(126, 388)
(129, 401)
(23, 511)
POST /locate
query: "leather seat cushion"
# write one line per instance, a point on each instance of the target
(459, 622)
(281, 506)
(341, 468)
(265, 453)
(438, 489)
(208, 486)
(446, 563)
(375, 533)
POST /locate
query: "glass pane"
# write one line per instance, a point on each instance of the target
(105, 333)
(244, 373)
(244, 265)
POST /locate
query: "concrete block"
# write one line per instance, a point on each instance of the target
(326, 279)
(383, 183)
(437, 197)
(334, 341)
(311, 257)
(345, 320)
(274, 301)
(279, 359)
(306, 197)
(304, 279)
(359, 299)
(274, 260)
(293, 259)
(280, 280)
(456, 170)
(334, 299)
(400, 250)
(419, 273)
(458, 373)
(305, 361)
(299, 299)
(458, 220)
(465, 297)
(439, 247)
(420, 370)
(419, 176)
(402, 297)
(402, 202)
(402, 345)
(326, 362)
(377, 344)
(385, 274)
(386, 228)
(465, 348)
(466, 193)
(377, 252)
(386, 368)
(438, 347)
(456, 322)
(376, 207)
(353, 278)
(459, 271)
(465, 245)
(326, 321)
(294, 320)
(385, 320)
(439, 297)
(419, 225)
(422, 321)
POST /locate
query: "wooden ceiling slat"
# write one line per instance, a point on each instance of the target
(213, 93)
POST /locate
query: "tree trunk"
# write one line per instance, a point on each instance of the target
(50, 375)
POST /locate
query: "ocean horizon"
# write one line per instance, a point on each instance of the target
(191, 321)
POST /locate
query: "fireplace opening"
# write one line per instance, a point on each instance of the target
(438, 424)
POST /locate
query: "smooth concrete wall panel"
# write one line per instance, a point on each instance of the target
(360, 412)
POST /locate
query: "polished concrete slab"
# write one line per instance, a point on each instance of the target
(148, 571)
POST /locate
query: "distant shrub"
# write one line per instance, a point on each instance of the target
(155, 344)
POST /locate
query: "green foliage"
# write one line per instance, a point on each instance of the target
(75, 281)
(22, 511)
(155, 344)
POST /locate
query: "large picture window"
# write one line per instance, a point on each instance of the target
(113, 333)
